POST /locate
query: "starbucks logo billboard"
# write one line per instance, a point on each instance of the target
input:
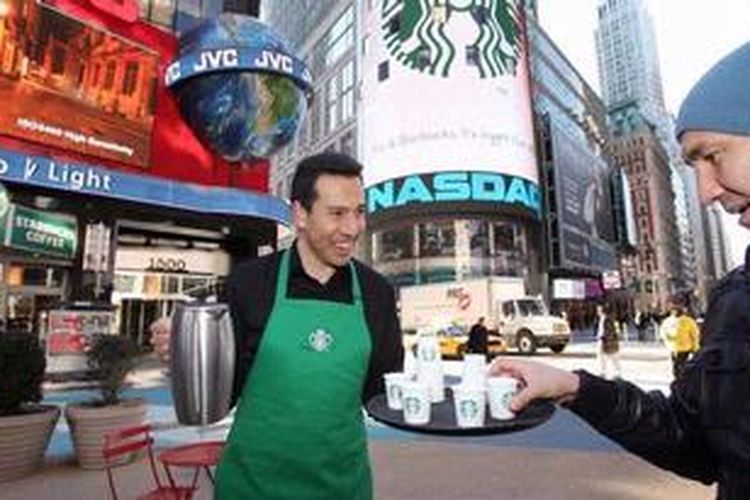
(421, 35)
(445, 87)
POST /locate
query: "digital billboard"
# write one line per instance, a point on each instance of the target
(584, 208)
(445, 89)
(71, 85)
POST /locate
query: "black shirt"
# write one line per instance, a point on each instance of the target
(252, 290)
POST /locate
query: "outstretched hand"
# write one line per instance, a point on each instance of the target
(539, 381)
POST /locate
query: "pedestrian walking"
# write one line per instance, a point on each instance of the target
(608, 343)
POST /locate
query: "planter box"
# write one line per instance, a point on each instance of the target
(24, 439)
(89, 424)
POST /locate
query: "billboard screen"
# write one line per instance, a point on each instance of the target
(584, 207)
(68, 84)
(445, 89)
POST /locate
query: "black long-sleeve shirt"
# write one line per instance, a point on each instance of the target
(702, 429)
(251, 293)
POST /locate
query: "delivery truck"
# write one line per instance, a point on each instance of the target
(513, 318)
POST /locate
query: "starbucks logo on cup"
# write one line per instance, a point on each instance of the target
(412, 405)
(469, 409)
(396, 392)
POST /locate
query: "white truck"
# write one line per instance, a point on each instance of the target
(513, 319)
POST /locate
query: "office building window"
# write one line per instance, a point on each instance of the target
(347, 145)
(437, 239)
(340, 38)
(332, 100)
(347, 92)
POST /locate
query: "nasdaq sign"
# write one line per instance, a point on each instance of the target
(481, 187)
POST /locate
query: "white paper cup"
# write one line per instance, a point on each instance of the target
(394, 383)
(470, 404)
(500, 391)
(410, 364)
(474, 370)
(416, 402)
(428, 349)
(431, 374)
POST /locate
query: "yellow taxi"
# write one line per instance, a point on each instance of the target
(453, 341)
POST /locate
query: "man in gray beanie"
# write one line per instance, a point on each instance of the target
(713, 128)
(702, 429)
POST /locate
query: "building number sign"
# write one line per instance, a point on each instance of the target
(167, 264)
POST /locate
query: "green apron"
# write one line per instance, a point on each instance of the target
(298, 431)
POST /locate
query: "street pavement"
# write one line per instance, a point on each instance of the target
(561, 459)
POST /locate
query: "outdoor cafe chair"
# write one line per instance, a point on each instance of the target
(121, 446)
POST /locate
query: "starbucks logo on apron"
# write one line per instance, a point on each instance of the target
(319, 340)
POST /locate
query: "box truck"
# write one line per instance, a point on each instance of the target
(513, 318)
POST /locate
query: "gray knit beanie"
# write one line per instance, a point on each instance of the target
(720, 101)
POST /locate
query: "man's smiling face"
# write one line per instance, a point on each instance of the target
(722, 164)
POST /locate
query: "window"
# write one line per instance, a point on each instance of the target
(347, 92)
(479, 238)
(437, 239)
(109, 78)
(396, 244)
(58, 60)
(130, 79)
(347, 144)
(161, 12)
(332, 105)
(315, 125)
(340, 38)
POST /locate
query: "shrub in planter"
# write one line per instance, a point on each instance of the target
(25, 426)
(111, 358)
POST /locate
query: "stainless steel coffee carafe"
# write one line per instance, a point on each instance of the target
(202, 362)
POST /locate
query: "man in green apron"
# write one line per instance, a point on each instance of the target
(315, 330)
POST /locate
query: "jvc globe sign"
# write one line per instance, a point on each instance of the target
(484, 187)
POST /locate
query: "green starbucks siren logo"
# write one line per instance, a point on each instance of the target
(420, 35)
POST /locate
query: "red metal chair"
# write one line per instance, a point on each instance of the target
(120, 446)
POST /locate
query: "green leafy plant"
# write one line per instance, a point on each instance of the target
(22, 365)
(111, 358)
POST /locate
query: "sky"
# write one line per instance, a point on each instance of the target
(691, 36)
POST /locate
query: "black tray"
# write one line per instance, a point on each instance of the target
(443, 418)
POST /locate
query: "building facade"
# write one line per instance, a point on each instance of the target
(629, 72)
(326, 38)
(636, 149)
(627, 56)
(581, 187)
(109, 198)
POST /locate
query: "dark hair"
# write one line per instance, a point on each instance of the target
(312, 167)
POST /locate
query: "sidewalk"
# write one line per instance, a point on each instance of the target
(562, 459)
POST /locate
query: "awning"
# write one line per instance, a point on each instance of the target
(73, 177)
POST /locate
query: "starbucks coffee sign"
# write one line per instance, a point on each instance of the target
(35, 230)
(42, 232)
